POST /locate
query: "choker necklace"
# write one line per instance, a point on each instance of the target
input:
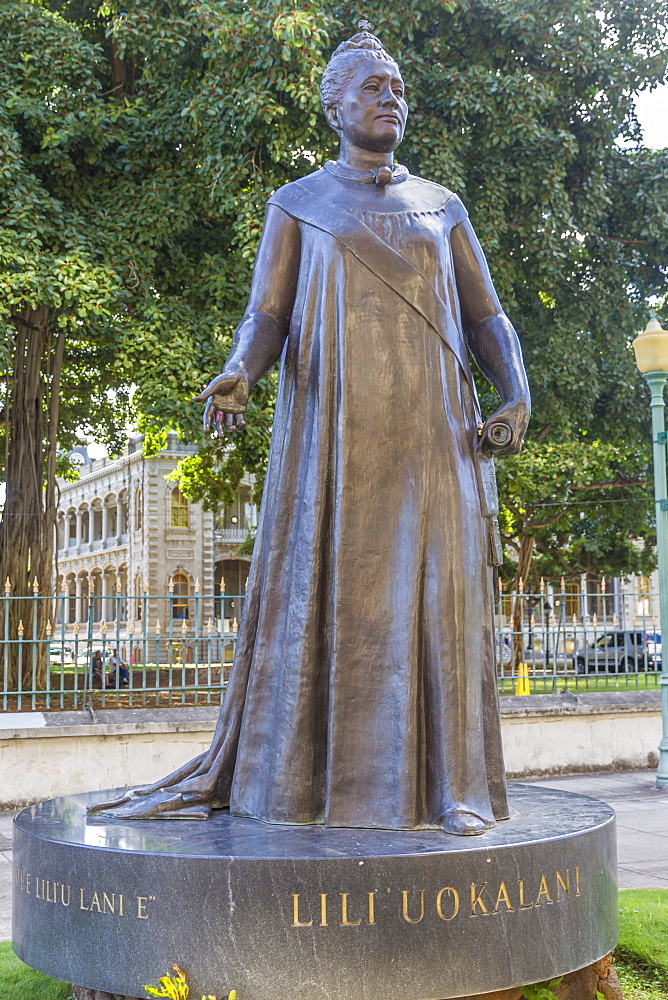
(382, 176)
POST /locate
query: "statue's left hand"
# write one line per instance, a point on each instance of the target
(503, 432)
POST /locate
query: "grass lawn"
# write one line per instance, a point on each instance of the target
(551, 684)
(639, 985)
(18, 982)
(641, 957)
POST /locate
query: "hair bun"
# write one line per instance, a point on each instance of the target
(362, 40)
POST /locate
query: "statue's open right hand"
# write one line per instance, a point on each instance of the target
(226, 397)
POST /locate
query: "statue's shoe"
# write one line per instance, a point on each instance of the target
(159, 804)
(464, 824)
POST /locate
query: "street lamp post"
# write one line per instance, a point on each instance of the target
(651, 351)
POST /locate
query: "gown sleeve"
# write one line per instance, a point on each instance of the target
(258, 340)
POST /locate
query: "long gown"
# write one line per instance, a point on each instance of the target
(363, 691)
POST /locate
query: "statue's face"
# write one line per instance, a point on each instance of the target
(372, 114)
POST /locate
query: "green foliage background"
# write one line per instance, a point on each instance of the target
(142, 139)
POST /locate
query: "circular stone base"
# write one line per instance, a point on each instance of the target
(309, 911)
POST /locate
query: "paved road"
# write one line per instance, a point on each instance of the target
(642, 830)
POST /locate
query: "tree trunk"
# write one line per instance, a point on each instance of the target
(28, 520)
(523, 568)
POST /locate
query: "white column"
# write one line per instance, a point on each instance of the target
(79, 516)
(119, 518)
(584, 603)
(105, 521)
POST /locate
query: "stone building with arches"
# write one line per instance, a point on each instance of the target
(130, 546)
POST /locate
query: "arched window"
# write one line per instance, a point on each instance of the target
(179, 509)
(112, 516)
(71, 529)
(180, 602)
(139, 589)
(71, 599)
(138, 508)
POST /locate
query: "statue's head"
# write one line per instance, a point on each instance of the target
(362, 94)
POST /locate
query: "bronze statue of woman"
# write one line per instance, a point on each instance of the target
(363, 691)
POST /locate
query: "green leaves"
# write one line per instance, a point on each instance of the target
(141, 141)
(542, 991)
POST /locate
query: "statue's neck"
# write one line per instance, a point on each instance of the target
(362, 159)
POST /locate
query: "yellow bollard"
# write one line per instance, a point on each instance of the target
(522, 686)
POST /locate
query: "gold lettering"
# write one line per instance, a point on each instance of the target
(323, 909)
(566, 886)
(62, 894)
(81, 900)
(502, 897)
(404, 907)
(372, 906)
(107, 902)
(523, 905)
(141, 907)
(344, 913)
(296, 922)
(48, 891)
(577, 881)
(28, 877)
(455, 902)
(95, 903)
(476, 899)
(543, 891)
(37, 884)
(120, 904)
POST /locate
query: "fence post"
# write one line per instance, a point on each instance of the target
(5, 683)
(33, 644)
(89, 641)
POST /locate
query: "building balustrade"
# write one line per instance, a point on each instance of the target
(234, 535)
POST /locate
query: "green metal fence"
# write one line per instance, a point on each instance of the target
(570, 638)
(179, 656)
(171, 649)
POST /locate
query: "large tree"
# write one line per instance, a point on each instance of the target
(526, 110)
(142, 140)
(129, 218)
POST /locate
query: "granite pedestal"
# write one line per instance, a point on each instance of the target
(313, 912)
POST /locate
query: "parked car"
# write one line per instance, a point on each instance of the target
(59, 653)
(64, 653)
(619, 652)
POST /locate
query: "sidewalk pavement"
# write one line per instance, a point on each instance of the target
(642, 830)
(6, 875)
(642, 821)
